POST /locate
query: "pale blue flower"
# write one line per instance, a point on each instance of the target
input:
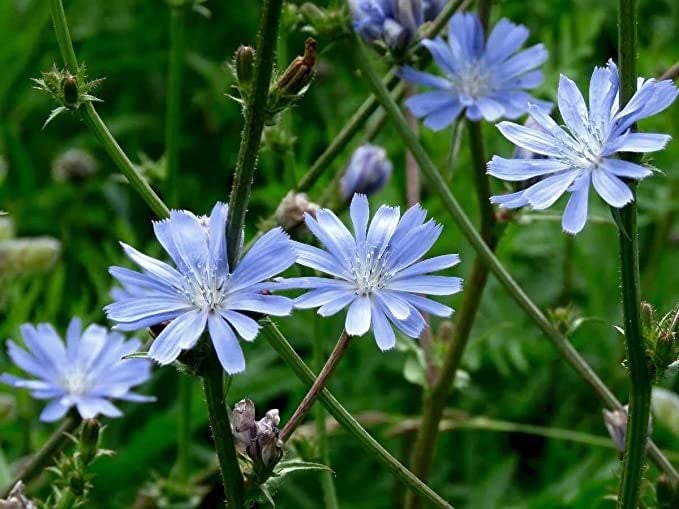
(586, 153)
(201, 293)
(369, 169)
(378, 271)
(86, 373)
(393, 22)
(485, 79)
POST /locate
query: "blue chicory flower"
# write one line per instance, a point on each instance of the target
(586, 153)
(486, 79)
(394, 22)
(378, 272)
(86, 373)
(201, 293)
(368, 171)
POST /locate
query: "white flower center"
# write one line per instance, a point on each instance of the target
(369, 270)
(472, 79)
(205, 289)
(76, 382)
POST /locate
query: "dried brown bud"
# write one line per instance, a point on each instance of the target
(300, 72)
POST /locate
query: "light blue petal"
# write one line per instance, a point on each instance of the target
(613, 190)
(412, 218)
(274, 305)
(423, 78)
(321, 297)
(217, 239)
(144, 312)
(317, 259)
(381, 229)
(88, 408)
(31, 364)
(330, 243)
(185, 240)
(73, 333)
(636, 142)
(54, 411)
(529, 139)
(269, 256)
(543, 194)
(226, 345)
(465, 31)
(181, 334)
(602, 92)
(431, 265)
(433, 285)
(443, 117)
(358, 317)
(505, 39)
(575, 214)
(384, 333)
(246, 327)
(414, 246)
(360, 215)
(411, 326)
(45, 344)
(393, 301)
(573, 109)
(335, 306)
(523, 61)
(441, 53)
(490, 109)
(517, 170)
(626, 169)
(427, 305)
(421, 105)
(510, 200)
(154, 267)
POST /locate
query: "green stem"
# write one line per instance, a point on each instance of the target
(327, 480)
(255, 116)
(560, 342)
(637, 360)
(183, 462)
(173, 108)
(302, 371)
(89, 114)
(42, 458)
(221, 430)
(435, 400)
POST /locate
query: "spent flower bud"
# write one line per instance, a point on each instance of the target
(368, 171)
(616, 424)
(16, 499)
(291, 210)
(299, 73)
(259, 440)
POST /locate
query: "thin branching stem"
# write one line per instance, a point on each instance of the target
(370, 445)
(560, 342)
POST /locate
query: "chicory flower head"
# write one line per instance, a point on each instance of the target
(487, 79)
(86, 373)
(378, 272)
(201, 293)
(393, 22)
(368, 171)
(586, 153)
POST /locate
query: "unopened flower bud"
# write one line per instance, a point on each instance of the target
(299, 73)
(73, 165)
(368, 171)
(28, 255)
(244, 62)
(616, 424)
(6, 228)
(16, 499)
(290, 212)
(89, 440)
(69, 87)
(243, 424)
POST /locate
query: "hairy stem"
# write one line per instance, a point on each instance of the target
(302, 371)
(636, 436)
(560, 342)
(435, 399)
(221, 430)
(89, 114)
(255, 116)
(173, 107)
(318, 385)
(44, 456)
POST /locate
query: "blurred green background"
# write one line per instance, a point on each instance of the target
(514, 374)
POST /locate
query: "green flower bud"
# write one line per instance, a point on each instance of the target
(37, 254)
(89, 440)
(244, 63)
